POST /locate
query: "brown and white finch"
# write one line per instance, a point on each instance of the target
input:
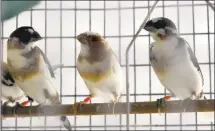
(99, 68)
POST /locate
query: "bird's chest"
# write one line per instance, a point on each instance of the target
(94, 72)
(15, 59)
(22, 67)
(160, 58)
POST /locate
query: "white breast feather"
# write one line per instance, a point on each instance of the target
(14, 55)
(105, 87)
(34, 87)
(181, 77)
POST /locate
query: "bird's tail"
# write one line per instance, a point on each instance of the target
(63, 119)
(65, 122)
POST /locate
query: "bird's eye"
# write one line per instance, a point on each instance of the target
(159, 35)
(94, 38)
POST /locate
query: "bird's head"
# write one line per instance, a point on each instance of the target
(92, 43)
(24, 36)
(161, 28)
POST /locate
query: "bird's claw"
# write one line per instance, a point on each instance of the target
(18, 105)
(30, 99)
(3, 109)
(185, 104)
(114, 104)
(161, 103)
(78, 105)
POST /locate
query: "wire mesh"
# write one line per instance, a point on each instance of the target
(60, 21)
(1, 54)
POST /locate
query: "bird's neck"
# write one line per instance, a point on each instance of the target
(94, 56)
(170, 42)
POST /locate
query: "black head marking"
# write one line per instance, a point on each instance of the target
(159, 23)
(26, 34)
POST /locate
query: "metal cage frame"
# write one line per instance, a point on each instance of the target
(127, 65)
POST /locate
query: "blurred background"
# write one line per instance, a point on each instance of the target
(60, 21)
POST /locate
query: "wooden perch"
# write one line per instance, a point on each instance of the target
(104, 109)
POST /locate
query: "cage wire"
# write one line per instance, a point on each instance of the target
(1, 55)
(118, 21)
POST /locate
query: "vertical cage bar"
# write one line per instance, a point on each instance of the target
(150, 74)
(127, 66)
(119, 25)
(1, 54)
(165, 116)
(193, 14)
(194, 48)
(212, 126)
(178, 21)
(75, 28)
(16, 121)
(61, 59)
(31, 102)
(214, 65)
(105, 117)
(90, 26)
(209, 49)
(45, 119)
(134, 53)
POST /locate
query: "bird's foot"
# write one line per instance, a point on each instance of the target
(161, 103)
(25, 103)
(78, 105)
(3, 108)
(185, 103)
(14, 110)
(114, 104)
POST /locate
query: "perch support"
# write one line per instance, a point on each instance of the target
(104, 109)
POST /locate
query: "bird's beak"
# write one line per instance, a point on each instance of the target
(35, 37)
(81, 37)
(149, 26)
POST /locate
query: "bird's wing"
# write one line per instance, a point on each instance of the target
(46, 61)
(151, 56)
(193, 58)
(7, 78)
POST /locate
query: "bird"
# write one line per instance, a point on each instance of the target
(31, 69)
(174, 62)
(99, 68)
(10, 91)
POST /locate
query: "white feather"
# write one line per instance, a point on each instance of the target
(13, 91)
(85, 49)
(89, 33)
(181, 77)
(14, 55)
(104, 87)
(31, 31)
(154, 20)
(34, 87)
